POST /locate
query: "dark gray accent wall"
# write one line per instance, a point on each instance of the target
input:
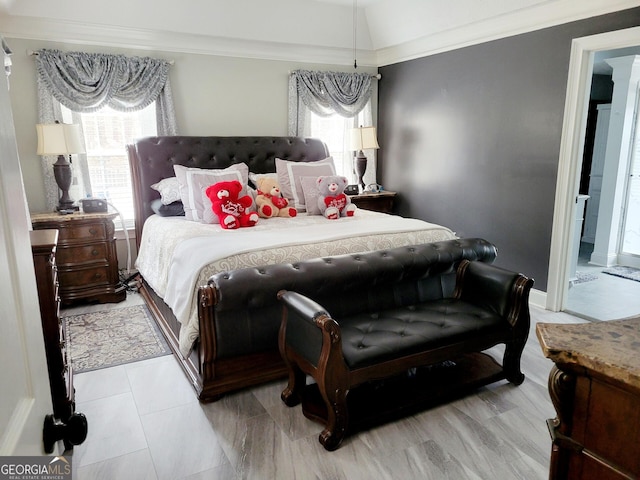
(471, 138)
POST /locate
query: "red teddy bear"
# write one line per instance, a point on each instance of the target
(231, 208)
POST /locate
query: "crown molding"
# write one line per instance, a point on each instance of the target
(503, 26)
(523, 21)
(154, 40)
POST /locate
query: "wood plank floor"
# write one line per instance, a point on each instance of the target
(146, 423)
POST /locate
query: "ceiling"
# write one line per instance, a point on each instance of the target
(314, 31)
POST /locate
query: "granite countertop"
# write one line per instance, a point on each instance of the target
(611, 348)
(57, 217)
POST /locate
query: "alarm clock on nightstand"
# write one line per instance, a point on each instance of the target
(94, 205)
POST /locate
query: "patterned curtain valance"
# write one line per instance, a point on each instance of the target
(326, 93)
(87, 82)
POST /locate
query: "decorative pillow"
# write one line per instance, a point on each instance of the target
(254, 177)
(289, 174)
(169, 190)
(192, 180)
(174, 209)
(311, 193)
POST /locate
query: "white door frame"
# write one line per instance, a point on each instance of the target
(571, 151)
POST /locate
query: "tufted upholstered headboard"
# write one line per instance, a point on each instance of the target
(152, 158)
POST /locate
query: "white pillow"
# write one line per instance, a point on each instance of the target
(254, 177)
(311, 194)
(169, 190)
(289, 174)
(192, 180)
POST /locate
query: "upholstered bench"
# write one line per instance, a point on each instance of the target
(397, 342)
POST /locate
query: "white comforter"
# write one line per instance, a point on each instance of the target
(176, 255)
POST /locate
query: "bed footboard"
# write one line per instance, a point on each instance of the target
(210, 377)
(222, 375)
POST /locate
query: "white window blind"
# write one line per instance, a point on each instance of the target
(107, 132)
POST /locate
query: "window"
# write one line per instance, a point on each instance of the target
(333, 130)
(106, 133)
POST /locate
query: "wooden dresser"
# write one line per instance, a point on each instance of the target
(86, 257)
(43, 247)
(595, 389)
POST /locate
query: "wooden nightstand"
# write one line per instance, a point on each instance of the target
(86, 257)
(378, 202)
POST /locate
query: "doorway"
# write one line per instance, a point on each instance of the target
(595, 291)
(572, 146)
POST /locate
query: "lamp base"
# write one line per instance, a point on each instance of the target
(64, 176)
(67, 208)
(361, 168)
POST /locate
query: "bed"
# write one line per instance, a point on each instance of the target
(177, 255)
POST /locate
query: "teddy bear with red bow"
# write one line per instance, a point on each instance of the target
(232, 209)
(332, 201)
(270, 202)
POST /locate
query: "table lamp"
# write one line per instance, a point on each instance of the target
(61, 139)
(360, 139)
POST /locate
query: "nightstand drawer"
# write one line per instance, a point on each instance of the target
(82, 254)
(94, 231)
(378, 202)
(84, 278)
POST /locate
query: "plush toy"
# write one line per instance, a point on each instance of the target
(231, 208)
(332, 201)
(270, 201)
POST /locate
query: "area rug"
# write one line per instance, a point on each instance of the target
(629, 273)
(113, 337)
(584, 277)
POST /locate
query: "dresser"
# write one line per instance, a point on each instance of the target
(43, 248)
(378, 202)
(86, 256)
(595, 390)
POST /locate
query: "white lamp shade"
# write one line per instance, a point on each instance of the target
(59, 139)
(363, 138)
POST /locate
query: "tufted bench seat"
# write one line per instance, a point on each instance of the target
(398, 318)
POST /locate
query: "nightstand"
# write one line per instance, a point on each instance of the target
(86, 256)
(378, 202)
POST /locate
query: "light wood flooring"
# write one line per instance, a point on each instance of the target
(146, 423)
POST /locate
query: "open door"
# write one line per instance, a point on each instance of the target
(26, 398)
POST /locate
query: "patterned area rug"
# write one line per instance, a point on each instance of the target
(583, 277)
(624, 272)
(113, 337)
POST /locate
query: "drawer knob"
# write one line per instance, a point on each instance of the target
(93, 231)
(94, 252)
(97, 276)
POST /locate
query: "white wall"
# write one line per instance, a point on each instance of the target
(213, 95)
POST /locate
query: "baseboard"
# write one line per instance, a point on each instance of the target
(538, 298)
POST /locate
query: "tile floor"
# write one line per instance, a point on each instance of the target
(146, 423)
(605, 298)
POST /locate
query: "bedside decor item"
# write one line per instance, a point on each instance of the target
(94, 205)
(61, 139)
(360, 139)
